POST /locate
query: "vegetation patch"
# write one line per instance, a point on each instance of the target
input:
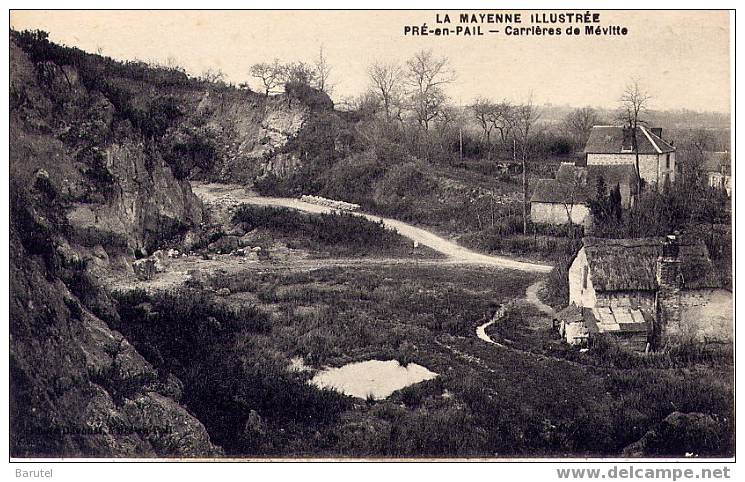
(342, 234)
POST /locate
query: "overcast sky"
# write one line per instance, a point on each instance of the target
(681, 57)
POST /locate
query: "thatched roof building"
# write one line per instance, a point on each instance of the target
(648, 290)
(630, 264)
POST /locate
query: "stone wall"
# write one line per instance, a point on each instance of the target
(706, 315)
(579, 293)
(556, 213)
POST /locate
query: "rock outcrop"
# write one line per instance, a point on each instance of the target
(78, 388)
(101, 153)
(87, 189)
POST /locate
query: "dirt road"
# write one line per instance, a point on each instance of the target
(454, 252)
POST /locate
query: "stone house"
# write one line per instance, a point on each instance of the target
(613, 145)
(555, 200)
(669, 283)
(718, 167)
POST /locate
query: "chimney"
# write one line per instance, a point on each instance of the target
(667, 302)
(656, 131)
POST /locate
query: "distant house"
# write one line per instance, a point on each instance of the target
(613, 145)
(554, 201)
(669, 283)
(718, 166)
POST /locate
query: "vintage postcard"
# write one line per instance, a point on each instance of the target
(371, 235)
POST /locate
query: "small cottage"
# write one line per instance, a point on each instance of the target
(718, 167)
(556, 201)
(670, 281)
(613, 145)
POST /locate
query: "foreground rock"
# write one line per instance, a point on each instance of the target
(79, 389)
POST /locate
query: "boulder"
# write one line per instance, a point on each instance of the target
(192, 239)
(225, 244)
(195, 275)
(145, 269)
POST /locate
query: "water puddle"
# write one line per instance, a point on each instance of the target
(372, 378)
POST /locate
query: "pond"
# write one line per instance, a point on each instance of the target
(374, 378)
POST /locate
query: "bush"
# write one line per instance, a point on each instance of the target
(347, 231)
(352, 180)
(407, 180)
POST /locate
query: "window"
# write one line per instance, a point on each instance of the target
(584, 277)
(667, 161)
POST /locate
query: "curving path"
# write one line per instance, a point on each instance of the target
(455, 252)
(481, 329)
(531, 295)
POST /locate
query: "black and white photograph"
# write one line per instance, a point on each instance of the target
(371, 235)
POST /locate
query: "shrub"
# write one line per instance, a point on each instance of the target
(346, 231)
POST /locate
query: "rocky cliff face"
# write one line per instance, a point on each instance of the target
(86, 187)
(251, 132)
(100, 157)
(116, 189)
(78, 388)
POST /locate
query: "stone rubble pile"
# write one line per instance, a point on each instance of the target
(228, 202)
(331, 203)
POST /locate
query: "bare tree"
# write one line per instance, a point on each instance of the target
(692, 153)
(525, 116)
(366, 104)
(213, 75)
(385, 79)
(503, 119)
(578, 124)
(271, 75)
(300, 73)
(425, 77)
(573, 192)
(489, 116)
(323, 72)
(482, 110)
(634, 103)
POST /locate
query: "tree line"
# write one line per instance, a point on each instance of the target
(274, 75)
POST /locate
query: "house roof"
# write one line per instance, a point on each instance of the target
(577, 184)
(556, 191)
(570, 314)
(617, 140)
(630, 264)
(611, 174)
